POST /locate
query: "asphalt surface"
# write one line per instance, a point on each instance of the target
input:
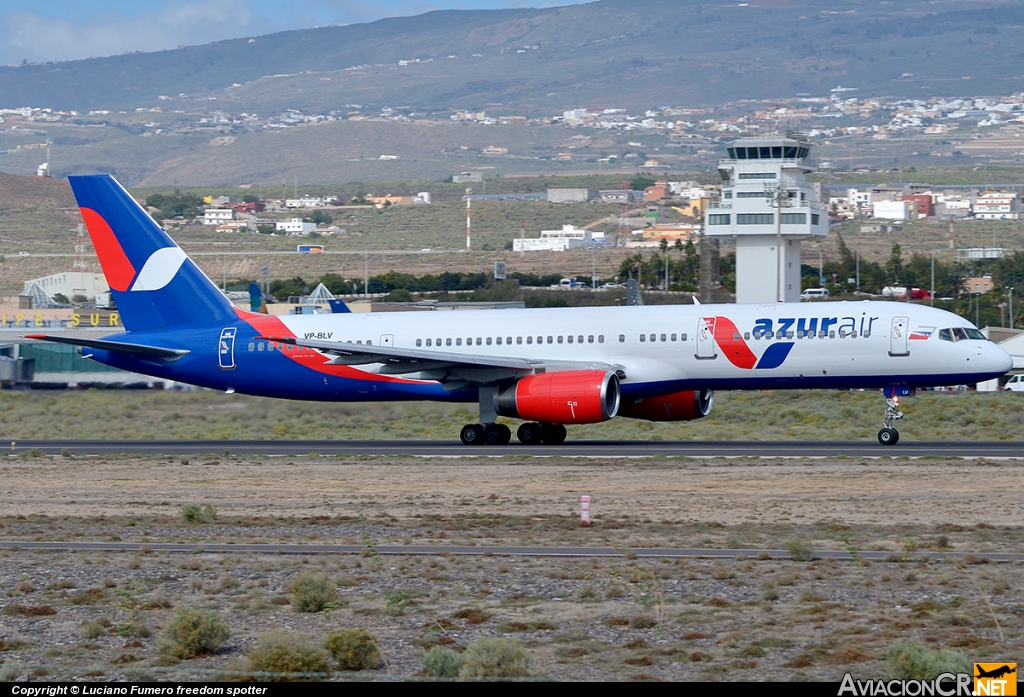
(905, 448)
(420, 550)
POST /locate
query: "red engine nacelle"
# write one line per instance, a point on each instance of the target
(569, 397)
(678, 406)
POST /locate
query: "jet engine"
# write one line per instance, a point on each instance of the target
(568, 397)
(678, 406)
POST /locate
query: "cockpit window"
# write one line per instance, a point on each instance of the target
(959, 333)
(946, 334)
(975, 334)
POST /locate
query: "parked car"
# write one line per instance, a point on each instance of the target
(1015, 384)
(814, 294)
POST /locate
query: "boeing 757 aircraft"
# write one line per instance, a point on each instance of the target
(550, 368)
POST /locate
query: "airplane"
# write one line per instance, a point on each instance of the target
(547, 367)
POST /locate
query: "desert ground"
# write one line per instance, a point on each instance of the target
(100, 615)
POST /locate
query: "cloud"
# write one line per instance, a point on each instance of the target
(29, 36)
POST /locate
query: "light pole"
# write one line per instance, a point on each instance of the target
(1011, 307)
(931, 296)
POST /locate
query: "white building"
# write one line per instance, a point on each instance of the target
(72, 283)
(997, 207)
(758, 174)
(893, 210)
(216, 216)
(569, 237)
(295, 226)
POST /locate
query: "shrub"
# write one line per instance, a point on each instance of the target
(912, 660)
(194, 513)
(193, 632)
(800, 550)
(353, 649)
(287, 657)
(312, 592)
(442, 662)
(11, 671)
(495, 658)
(93, 629)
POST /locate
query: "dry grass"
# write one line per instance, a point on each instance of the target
(780, 415)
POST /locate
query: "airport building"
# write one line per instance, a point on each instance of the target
(768, 208)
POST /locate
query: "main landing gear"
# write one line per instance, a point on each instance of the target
(500, 434)
(487, 432)
(889, 435)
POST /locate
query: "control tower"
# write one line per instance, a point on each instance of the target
(768, 207)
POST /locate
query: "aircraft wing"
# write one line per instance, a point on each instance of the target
(140, 350)
(454, 370)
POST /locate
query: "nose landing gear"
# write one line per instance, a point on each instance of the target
(889, 435)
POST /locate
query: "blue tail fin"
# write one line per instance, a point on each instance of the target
(151, 279)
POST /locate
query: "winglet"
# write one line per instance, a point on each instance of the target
(695, 300)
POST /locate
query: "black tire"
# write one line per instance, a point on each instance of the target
(888, 436)
(494, 434)
(554, 434)
(529, 433)
(472, 434)
(506, 434)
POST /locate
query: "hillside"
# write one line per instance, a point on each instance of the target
(619, 52)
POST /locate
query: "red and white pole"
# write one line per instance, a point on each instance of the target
(469, 198)
(585, 510)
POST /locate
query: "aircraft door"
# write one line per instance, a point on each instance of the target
(387, 339)
(226, 348)
(706, 349)
(898, 337)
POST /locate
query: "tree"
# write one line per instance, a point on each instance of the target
(250, 198)
(641, 183)
(266, 229)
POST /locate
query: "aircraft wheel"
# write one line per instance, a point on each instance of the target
(888, 436)
(496, 434)
(530, 433)
(554, 434)
(472, 434)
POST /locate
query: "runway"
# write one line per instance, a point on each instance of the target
(597, 449)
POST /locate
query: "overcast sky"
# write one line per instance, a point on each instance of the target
(57, 30)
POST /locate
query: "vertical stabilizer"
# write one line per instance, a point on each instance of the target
(152, 281)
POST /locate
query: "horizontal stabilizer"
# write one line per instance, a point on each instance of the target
(131, 349)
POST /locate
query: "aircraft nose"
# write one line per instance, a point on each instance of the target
(998, 360)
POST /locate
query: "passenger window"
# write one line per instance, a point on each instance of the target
(519, 339)
(419, 342)
(745, 336)
(508, 340)
(622, 339)
(853, 335)
(368, 342)
(479, 341)
(866, 335)
(673, 337)
(559, 339)
(458, 341)
(736, 336)
(821, 334)
(259, 346)
(540, 340)
(252, 347)
(447, 342)
(600, 338)
(682, 337)
(568, 339)
(654, 337)
(579, 339)
(643, 338)
(664, 337)
(551, 339)
(831, 333)
(270, 346)
(498, 341)
(488, 341)
(430, 342)
(789, 335)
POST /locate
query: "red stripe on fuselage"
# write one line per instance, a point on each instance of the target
(116, 267)
(729, 340)
(270, 325)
